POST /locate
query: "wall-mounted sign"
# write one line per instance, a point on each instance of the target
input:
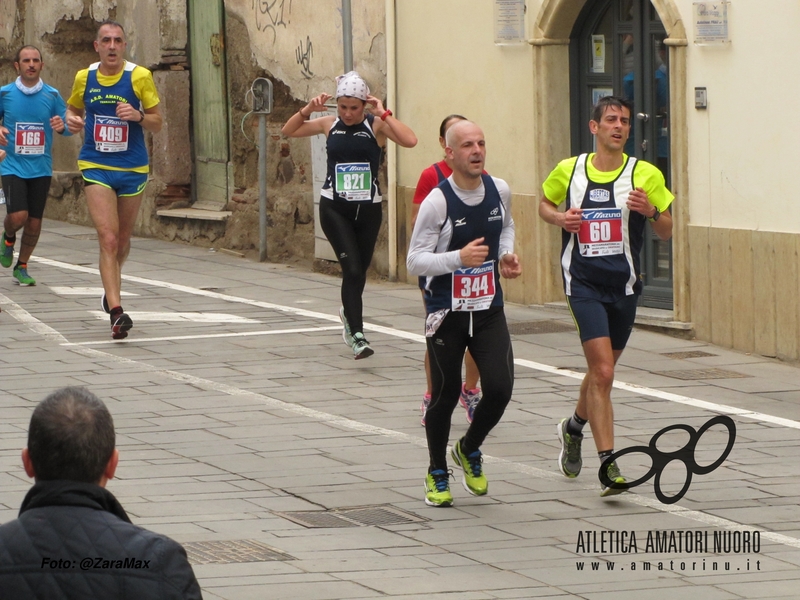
(598, 93)
(598, 53)
(711, 22)
(509, 21)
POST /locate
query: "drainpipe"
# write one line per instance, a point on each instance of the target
(347, 36)
(391, 153)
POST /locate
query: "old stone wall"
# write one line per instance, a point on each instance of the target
(297, 44)
(64, 32)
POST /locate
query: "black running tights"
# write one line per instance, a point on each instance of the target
(352, 229)
(490, 345)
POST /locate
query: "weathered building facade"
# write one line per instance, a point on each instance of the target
(204, 57)
(731, 271)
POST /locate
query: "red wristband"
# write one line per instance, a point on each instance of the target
(388, 113)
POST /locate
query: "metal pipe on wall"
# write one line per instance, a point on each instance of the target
(262, 187)
(391, 152)
(347, 35)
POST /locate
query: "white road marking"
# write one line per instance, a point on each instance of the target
(669, 396)
(180, 317)
(645, 391)
(50, 334)
(176, 338)
(82, 291)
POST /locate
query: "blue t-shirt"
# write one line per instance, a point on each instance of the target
(30, 137)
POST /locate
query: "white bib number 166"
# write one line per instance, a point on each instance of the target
(31, 138)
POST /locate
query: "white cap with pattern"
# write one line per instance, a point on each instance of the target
(350, 84)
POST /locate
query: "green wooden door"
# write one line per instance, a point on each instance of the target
(209, 103)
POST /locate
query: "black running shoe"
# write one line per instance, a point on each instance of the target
(120, 326)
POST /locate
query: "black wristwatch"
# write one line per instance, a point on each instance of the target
(141, 112)
(655, 216)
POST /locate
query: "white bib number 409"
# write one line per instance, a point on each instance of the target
(110, 134)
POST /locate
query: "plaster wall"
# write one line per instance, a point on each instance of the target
(447, 62)
(742, 149)
(8, 11)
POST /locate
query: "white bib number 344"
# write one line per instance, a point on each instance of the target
(473, 287)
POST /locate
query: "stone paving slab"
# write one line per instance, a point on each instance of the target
(220, 435)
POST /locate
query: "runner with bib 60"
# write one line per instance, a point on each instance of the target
(608, 197)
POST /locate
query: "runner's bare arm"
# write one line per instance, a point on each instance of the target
(638, 201)
(75, 121)
(394, 129)
(299, 125)
(569, 220)
(151, 120)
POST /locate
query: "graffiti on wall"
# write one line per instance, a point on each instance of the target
(304, 54)
(271, 14)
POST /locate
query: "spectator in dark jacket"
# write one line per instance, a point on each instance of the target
(72, 539)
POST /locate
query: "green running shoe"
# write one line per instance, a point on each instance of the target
(22, 277)
(6, 253)
(569, 460)
(347, 335)
(474, 480)
(361, 347)
(437, 488)
(618, 481)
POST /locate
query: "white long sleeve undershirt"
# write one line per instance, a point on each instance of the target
(427, 253)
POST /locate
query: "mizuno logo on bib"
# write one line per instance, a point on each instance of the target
(473, 287)
(29, 138)
(110, 134)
